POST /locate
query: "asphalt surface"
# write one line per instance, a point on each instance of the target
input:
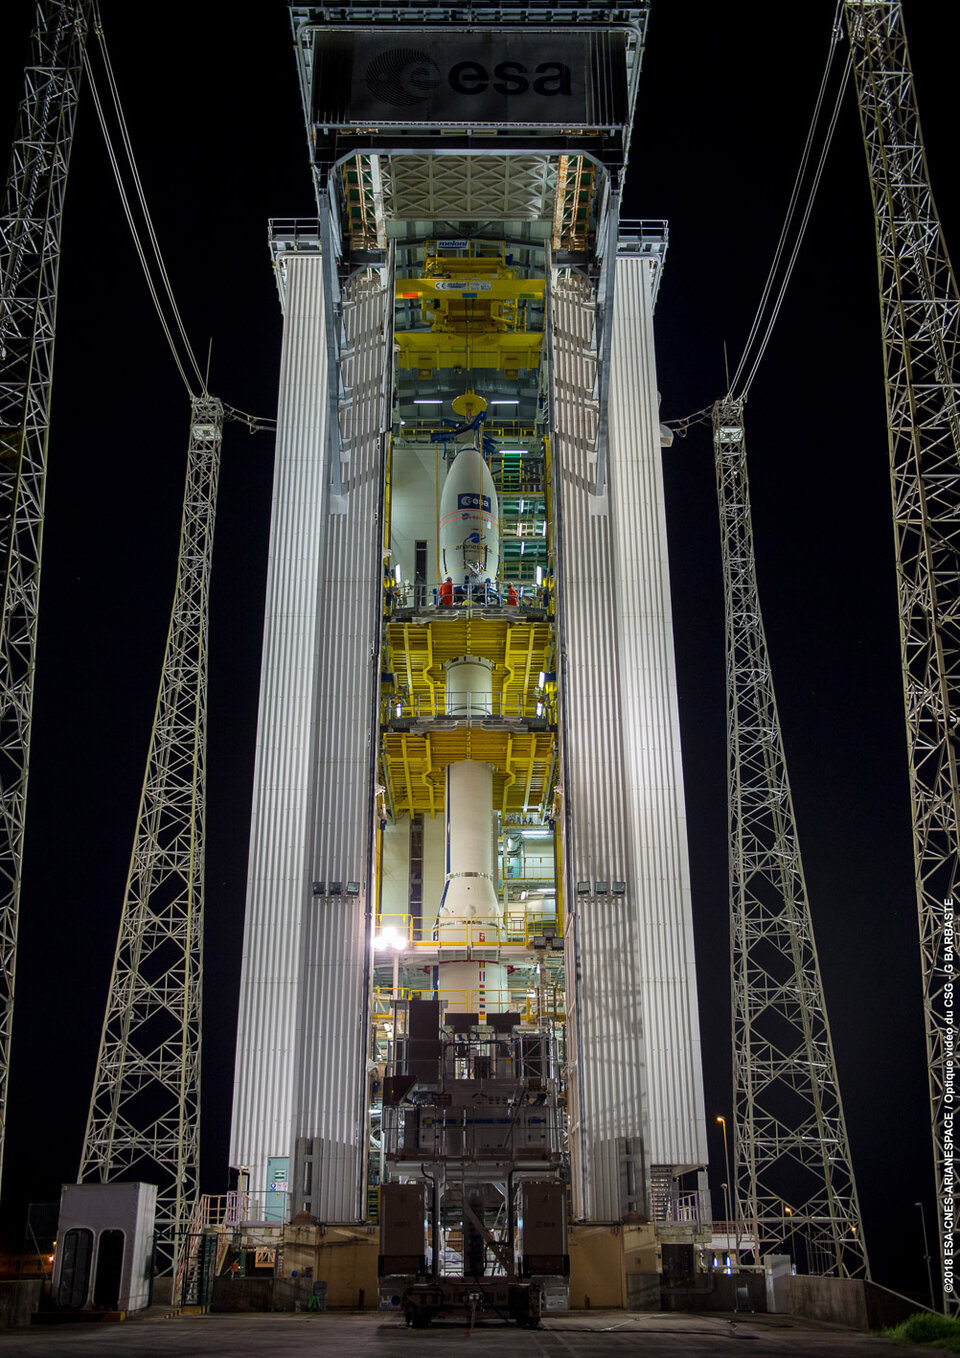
(602, 1334)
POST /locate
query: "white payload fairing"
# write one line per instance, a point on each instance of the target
(469, 521)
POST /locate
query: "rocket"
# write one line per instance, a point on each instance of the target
(469, 521)
(469, 908)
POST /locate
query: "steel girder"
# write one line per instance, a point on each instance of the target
(30, 228)
(144, 1118)
(792, 1158)
(920, 320)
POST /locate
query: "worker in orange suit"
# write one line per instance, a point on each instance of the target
(446, 593)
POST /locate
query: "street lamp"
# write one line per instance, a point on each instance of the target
(926, 1254)
(792, 1240)
(736, 1222)
(725, 1189)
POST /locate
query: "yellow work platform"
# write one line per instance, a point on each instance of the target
(429, 349)
(417, 653)
(414, 766)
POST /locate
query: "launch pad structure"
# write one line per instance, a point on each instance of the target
(468, 972)
(468, 1012)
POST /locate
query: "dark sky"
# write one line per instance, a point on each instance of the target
(214, 113)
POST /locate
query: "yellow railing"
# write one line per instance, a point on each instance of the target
(396, 933)
(472, 1001)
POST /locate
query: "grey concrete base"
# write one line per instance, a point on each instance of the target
(162, 1291)
(19, 1301)
(643, 1291)
(233, 1295)
(718, 1292)
(849, 1301)
(594, 1334)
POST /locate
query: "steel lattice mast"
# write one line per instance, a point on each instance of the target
(144, 1119)
(29, 265)
(919, 310)
(793, 1175)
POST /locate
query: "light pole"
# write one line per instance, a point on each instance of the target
(793, 1226)
(926, 1254)
(736, 1223)
(725, 1189)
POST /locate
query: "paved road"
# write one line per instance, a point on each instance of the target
(602, 1334)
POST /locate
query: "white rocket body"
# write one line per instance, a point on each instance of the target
(469, 521)
(469, 912)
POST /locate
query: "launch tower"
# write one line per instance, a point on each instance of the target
(468, 884)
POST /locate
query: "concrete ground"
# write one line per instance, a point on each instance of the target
(596, 1334)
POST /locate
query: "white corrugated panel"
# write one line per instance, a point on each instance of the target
(281, 836)
(302, 1039)
(333, 1038)
(656, 818)
(605, 1029)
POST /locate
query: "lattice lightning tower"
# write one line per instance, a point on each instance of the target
(919, 306)
(144, 1119)
(793, 1176)
(29, 265)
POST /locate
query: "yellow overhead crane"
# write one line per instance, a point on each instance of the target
(476, 308)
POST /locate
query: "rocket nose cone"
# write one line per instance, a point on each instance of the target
(469, 475)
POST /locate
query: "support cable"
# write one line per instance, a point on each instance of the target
(254, 423)
(754, 350)
(137, 242)
(138, 185)
(836, 33)
(788, 272)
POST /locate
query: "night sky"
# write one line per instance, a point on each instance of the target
(214, 113)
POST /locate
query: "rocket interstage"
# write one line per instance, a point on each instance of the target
(469, 521)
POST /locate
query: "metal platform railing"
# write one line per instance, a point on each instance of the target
(519, 593)
(466, 707)
(537, 930)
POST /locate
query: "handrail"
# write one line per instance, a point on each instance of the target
(463, 593)
(467, 706)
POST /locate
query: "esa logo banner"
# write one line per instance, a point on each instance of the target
(479, 77)
(470, 501)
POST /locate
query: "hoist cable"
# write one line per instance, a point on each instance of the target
(141, 197)
(803, 226)
(835, 35)
(138, 244)
(253, 422)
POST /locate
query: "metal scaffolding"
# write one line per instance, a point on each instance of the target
(144, 1118)
(29, 264)
(920, 315)
(793, 1180)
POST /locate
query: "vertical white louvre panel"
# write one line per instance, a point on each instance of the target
(606, 1024)
(656, 818)
(281, 836)
(333, 1034)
